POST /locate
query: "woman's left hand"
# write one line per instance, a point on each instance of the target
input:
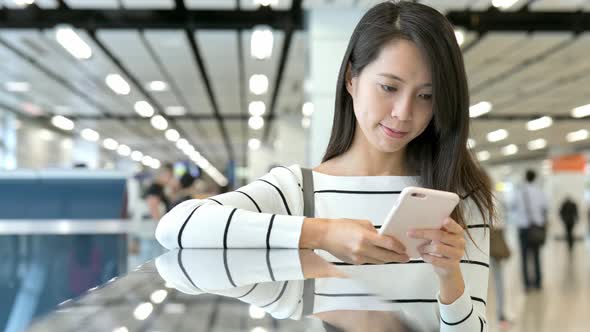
(445, 248)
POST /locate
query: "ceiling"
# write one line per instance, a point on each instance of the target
(524, 73)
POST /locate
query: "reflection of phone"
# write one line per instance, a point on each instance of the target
(418, 208)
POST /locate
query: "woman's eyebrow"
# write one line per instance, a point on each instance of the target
(397, 78)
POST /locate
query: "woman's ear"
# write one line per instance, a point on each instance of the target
(348, 79)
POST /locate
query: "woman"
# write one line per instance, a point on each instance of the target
(401, 118)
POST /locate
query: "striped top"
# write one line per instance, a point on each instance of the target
(267, 213)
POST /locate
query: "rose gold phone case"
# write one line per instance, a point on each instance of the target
(418, 208)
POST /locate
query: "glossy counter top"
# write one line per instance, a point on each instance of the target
(236, 290)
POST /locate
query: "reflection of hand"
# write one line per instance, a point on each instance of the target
(313, 266)
(357, 242)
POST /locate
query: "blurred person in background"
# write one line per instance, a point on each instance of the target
(156, 195)
(186, 189)
(499, 253)
(531, 206)
(569, 216)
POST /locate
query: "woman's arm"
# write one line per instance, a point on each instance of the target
(263, 214)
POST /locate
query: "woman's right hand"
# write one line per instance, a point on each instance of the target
(352, 241)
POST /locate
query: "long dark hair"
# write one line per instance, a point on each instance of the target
(439, 154)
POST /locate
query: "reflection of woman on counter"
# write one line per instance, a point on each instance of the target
(401, 119)
(268, 279)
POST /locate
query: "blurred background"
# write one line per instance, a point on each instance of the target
(113, 111)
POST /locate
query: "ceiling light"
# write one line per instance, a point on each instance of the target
(159, 122)
(155, 163)
(579, 135)
(460, 36)
(90, 135)
(46, 135)
(172, 135)
(143, 311)
(118, 84)
(258, 84)
(509, 149)
(146, 160)
(175, 111)
(261, 43)
(124, 150)
(23, 3)
(62, 122)
(471, 143)
(256, 108)
(17, 86)
(307, 109)
(306, 122)
(159, 296)
(483, 155)
(144, 109)
(479, 109)
(537, 144)
(157, 86)
(256, 122)
(254, 144)
(497, 135)
(110, 144)
(136, 155)
(266, 3)
(181, 143)
(70, 40)
(540, 123)
(582, 111)
(503, 4)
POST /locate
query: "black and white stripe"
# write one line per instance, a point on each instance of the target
(231, 215)
(184, 225)
(251, 199)
(459, 322)
(280, 193)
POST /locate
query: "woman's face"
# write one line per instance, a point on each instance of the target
(392, 97)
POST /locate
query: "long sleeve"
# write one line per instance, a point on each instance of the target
(468, 312)
(266, 213)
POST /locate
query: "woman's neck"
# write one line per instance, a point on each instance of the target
(364, 160)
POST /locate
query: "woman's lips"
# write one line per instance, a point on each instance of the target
(392, 133)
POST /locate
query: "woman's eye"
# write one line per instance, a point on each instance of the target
(426, 96)
(388, 88)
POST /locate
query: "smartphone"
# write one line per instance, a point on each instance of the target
(418, 208)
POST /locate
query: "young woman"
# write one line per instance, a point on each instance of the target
(401, 118)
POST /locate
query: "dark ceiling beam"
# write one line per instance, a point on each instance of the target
(208, 87)
(157, 106)
(147, 19)
(523, 20)
(243, 117)
(54, 76)
(296, 14)
(173, 88)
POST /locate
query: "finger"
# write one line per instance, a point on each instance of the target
(387, 242)
(438, 261)
(443, 250)
(433, 235)
(386, 256)
(451, 226)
